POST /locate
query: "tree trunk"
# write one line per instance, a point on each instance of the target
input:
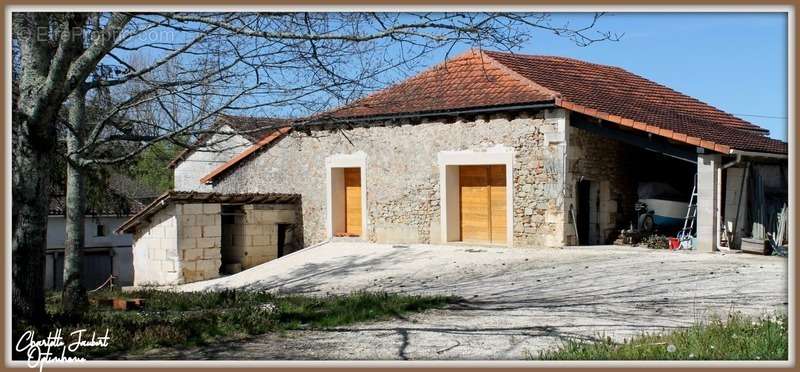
(31, 161)
(74, 298)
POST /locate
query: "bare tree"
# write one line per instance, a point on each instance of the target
(146, 89)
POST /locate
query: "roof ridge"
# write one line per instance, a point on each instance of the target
(425, 73)
(225, 115)
(416, 76)
(550, 56)
(519, 76)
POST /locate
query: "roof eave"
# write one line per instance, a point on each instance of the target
(438, 113)
(193, 197)
(279, 133)
(645, 127)
(759, 154)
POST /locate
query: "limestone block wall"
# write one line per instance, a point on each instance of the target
(606, 163)
(156, 260)
(199, 240)
(402, 174)
(255, 234)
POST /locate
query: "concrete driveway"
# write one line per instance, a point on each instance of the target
(518, 301)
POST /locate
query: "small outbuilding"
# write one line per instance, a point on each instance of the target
(184, 237)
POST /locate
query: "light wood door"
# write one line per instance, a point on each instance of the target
(497, 202)
(352, 201)
(474, 203)
(483, 203)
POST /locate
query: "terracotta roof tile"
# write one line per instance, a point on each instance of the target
(493, 79)
(623, 94)
(486, 79)
(469, 80)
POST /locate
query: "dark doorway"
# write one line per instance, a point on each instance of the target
(284, 230)
(584, 211)
(97, 268)
(231, 251)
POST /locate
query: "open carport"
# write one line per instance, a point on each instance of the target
(720, 197)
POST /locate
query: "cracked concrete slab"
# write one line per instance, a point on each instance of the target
(517, 302)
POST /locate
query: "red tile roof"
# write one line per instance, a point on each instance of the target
(486, 79)
(493, 79)
(470, 80)
(614, 91)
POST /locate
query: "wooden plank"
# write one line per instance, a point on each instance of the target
(352, 186)
(497, 203)
(474, 183)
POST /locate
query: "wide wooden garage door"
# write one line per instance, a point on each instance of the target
(483, 203)
(352, 192)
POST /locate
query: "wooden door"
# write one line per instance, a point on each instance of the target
(483, 203)
(474, 203)
(497, 202)
(352, 201)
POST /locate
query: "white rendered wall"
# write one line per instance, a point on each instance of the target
(202, 161)
(57, 234)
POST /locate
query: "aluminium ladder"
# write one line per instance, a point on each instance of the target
(691, 214)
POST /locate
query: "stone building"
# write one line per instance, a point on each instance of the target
(228, 137)
(184, 237)
(504, 149)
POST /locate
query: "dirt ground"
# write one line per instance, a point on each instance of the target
(518, 302)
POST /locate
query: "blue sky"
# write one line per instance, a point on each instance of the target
(736, 62)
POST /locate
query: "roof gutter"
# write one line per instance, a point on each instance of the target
(474, 111)
(755, 154)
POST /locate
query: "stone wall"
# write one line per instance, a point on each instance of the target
(606, 163)
(200, 240)
(202, 161)
(155, 250)
(402, 174)
(256, 233)
(183, 243)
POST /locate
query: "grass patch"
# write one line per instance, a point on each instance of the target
(736, 338)
(186, 319)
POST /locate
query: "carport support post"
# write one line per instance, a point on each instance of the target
(707, 224)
